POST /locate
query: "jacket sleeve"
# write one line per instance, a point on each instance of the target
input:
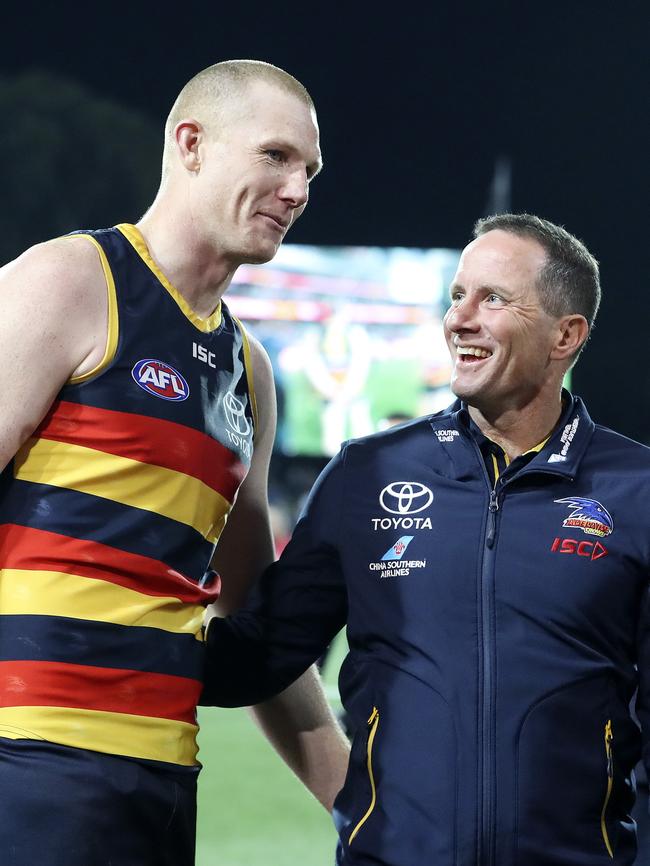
(643, 662)
(293, 613)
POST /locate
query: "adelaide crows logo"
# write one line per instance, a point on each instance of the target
(588, 515)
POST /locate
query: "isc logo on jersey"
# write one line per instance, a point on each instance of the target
(160, 379)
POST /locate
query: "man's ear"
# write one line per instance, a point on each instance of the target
(188, 135)
(573, 331)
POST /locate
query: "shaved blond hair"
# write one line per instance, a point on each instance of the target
(208, 96)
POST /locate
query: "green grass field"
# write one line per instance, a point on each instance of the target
(252, 810)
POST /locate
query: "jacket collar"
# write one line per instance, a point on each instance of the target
(563, 450)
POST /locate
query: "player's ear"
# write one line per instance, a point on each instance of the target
(188, 135)
(572, 331)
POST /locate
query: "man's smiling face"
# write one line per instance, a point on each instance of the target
(499, 336)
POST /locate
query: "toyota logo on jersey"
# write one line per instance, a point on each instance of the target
(236, 414)
(160, 380)
(405, 497)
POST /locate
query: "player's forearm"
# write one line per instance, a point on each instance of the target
(302, 728)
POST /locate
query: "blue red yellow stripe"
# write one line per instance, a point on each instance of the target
(147, 737)
(114, 690)
(148, 440)
(57, 593)
(101, 644)
(68, 512)
(23, 547)
(150, 488)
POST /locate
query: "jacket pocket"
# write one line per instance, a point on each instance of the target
(578, 794)
(609, 736)
(373, 725)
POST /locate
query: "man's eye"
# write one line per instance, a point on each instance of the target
(494, 299)
(275, 155)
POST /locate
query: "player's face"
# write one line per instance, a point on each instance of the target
(256, 173)
(499, 337)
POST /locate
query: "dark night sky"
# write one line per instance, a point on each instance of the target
(414, 110)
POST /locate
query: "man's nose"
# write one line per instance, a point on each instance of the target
(295, 190)
(462, 316)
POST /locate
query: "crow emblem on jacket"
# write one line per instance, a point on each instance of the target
(588, 515)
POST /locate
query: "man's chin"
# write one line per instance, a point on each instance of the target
(464, 391)
(261, 253)
(476, 397)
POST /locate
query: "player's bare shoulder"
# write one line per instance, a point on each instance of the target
(54, 325)
(54, 296)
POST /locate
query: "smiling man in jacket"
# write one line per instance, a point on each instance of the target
(491, 563)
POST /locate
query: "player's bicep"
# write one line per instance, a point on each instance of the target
(46, 332)
(246, 547)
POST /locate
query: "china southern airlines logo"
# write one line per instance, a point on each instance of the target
(397, 550)
(405, 497)
(391, 564)
(160, 380)
(588, 515)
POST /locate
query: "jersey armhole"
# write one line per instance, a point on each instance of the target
(248, 365)
(113, 323)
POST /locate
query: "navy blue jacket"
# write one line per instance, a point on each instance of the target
(495, 638)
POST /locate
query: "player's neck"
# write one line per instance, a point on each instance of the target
(190, 265)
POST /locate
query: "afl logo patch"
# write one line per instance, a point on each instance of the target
(160, 379)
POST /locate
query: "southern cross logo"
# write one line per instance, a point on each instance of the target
(588, 515)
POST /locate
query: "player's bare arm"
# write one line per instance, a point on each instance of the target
(237, 559)
(53, 326)
(298, 722)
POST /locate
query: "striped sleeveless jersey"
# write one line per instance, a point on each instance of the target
(109, 515)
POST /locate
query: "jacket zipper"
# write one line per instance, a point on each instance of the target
(609, 736)
(487, 758)
(492, 519)
(373, 724)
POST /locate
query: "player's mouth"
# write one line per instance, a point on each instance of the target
(281, 223)
(472, 354)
